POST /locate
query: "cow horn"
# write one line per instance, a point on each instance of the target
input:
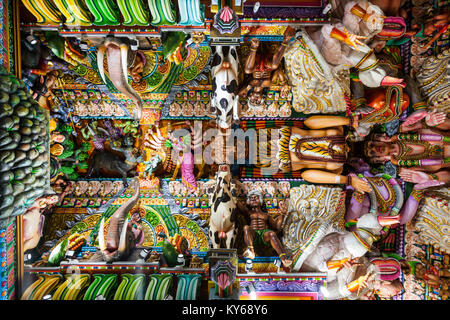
(100, 57)
(123, 238)
(101, 235)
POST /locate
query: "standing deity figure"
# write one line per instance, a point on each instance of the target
(265, 70)
(259, 232)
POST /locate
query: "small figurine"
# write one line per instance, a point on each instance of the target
(154, 257)
(195, 263)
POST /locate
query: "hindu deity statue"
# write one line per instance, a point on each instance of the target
(34, 219)
(422, 156)
(259, 231)
(168, 154)
(365, 278)
(321, 151)
(345, 43)
(264, 71)
(386, 199)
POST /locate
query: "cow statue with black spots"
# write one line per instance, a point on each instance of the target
(224, 72)
(222, 222)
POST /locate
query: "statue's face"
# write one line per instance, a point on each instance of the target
(378, 149)
(374, 22)
(136, 216)
(255, 98)
(253, 201)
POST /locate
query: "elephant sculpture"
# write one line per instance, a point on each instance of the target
(119, 57)
(120, 240)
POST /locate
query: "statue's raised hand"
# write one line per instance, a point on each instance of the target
(435, 118)
(288, 34)
(353, 40)
(428, 184)
(284, 207)
(414, 118)
(414, 176)
(360, 185)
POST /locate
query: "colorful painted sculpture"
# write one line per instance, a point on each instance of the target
(162, 12)
(337, 247)
(24, 167)
(431, 219)
(223, 274)
(423, 151)
(386, 197)
(226, 21)
(432, 276)
(265, 71)
(134, 12)
(316, 86)
(224, 72)
(117, 54)
(105, 12)
(222, 227)
(350, 159)
(75, 12)
(33, 220)
(112, 162)
(344, 44)
(170, 154)
(192, 13)
(120, 240)
(260, 231)
(359, 278)
(45, 11)
(431, 81)
(323, 147)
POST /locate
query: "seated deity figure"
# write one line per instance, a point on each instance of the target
(336, 248)
(386, 199)
(319, 226)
